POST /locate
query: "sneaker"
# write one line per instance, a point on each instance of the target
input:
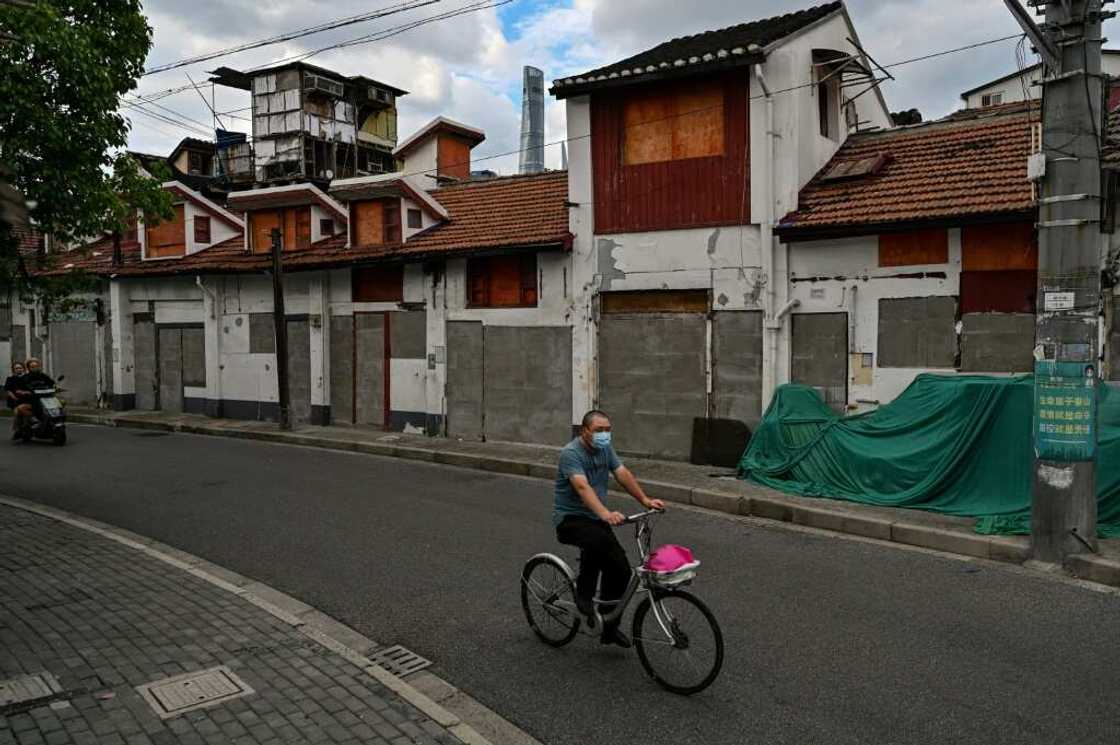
(587, 609)
(616, 637)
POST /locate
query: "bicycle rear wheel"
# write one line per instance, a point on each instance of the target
(686, 659)
(548, 597)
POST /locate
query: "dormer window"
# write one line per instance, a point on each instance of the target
(198, 163)
(991, 99)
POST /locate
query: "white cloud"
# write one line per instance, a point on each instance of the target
(469, 67)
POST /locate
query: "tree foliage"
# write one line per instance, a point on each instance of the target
(64, 65)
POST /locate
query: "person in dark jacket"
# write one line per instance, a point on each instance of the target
(35, 377)
(15, 396)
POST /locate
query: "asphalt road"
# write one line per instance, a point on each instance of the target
(828, 640)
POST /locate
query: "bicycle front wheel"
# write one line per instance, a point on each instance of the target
(548, 597)
(679, 642)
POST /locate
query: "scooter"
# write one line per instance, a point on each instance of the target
(48, 417)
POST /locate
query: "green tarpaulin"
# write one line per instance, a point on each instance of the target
(958, 445)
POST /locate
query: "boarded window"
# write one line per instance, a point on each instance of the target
(366, 222)
(655, 301)
(262, 334)
(415, 221)
(293, 222)
(378, 284)
(169, 238)
(918, 332)
(326, 227)
(391, 216)
(917, 247)
(453, 157)
(502, 281)
(999, 247)
(674, 123)
(201, 229)
(997, 342)
(1012, 291)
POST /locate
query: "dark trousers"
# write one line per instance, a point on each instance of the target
(600, 553)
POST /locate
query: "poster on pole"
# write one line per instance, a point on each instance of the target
(1065, 411)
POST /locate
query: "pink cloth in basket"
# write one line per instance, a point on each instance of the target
(669, 558)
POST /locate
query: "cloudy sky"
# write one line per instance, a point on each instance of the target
(469, 67)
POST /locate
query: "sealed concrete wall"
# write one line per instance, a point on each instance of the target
(262, 334)
(917, 332)
(737, 366)
(464, 379)
(144, 341)
(193, 341)
(342, 369)
(369, 369)
(527, 383)
(170, 370)
(73, 354)
(19, 343)
(820, 354)
(997, 342)
(652, 380)
(299, 371)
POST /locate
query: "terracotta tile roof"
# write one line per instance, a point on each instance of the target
(503, 213)
(725, 47)
(971, 163)
(507, 212)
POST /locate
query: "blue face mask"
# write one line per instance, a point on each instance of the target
(601, 440)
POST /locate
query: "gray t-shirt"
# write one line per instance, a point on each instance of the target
(597, 466)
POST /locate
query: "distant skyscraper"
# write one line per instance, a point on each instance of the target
(532, 121)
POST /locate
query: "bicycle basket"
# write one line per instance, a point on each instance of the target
(670, 566)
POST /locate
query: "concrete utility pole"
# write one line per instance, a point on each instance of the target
(279, 321)
(1064, 503)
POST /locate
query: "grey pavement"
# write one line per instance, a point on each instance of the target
(829, 639)
(100, 619)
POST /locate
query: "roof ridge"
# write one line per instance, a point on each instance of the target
(759, 21)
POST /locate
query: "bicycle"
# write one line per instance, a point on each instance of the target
(669, 619)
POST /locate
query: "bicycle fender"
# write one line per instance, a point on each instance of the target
(557, 560)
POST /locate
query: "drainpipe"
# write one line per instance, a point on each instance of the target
(209, 293)
(772, 323)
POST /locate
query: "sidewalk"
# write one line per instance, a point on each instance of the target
(97, 619)
(704, 486)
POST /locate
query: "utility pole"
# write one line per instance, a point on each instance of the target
(1067, 358)
(281, 325)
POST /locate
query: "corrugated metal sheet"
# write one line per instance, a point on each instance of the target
(693, 192)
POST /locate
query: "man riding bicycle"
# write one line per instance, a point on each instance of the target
(581, 519)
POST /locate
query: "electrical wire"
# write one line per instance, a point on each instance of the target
(400, 7)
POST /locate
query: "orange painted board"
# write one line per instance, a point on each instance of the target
(169, 238)
(999, 247)
(914, 248)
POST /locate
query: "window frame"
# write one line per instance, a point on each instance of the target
(391, 221)
(419, 222)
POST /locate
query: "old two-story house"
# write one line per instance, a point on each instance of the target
(681, 159)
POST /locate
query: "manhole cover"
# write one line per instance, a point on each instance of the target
(399, 661)
(27, 688)
(173, 696)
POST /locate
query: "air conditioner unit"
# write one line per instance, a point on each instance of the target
(324, 85)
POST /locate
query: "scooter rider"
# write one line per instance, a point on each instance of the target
(34, 379)
(16, 397)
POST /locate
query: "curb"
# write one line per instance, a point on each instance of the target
(1006, 549)
(317, 626)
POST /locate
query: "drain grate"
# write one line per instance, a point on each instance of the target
(27, 688)
(173, 696)
(399, 661)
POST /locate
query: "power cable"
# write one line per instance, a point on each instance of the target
(299, 33)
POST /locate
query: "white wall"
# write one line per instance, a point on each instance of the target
(219, 229)
(1025, 85)
(421, 163)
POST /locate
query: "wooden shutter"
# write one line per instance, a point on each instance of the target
(169, 238)
(502, 281)
(201, 229)
(391, 214)
(301, 217)
(262, 223)
(681, 122)
(917, 247)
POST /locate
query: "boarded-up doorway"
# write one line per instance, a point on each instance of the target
(299, 371)
(147, 377)
(73, 354)
(358, 383)
(181, 356)
(820, 355)
(653, 369)
(464, 380)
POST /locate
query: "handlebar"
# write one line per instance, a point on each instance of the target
(641, 516)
